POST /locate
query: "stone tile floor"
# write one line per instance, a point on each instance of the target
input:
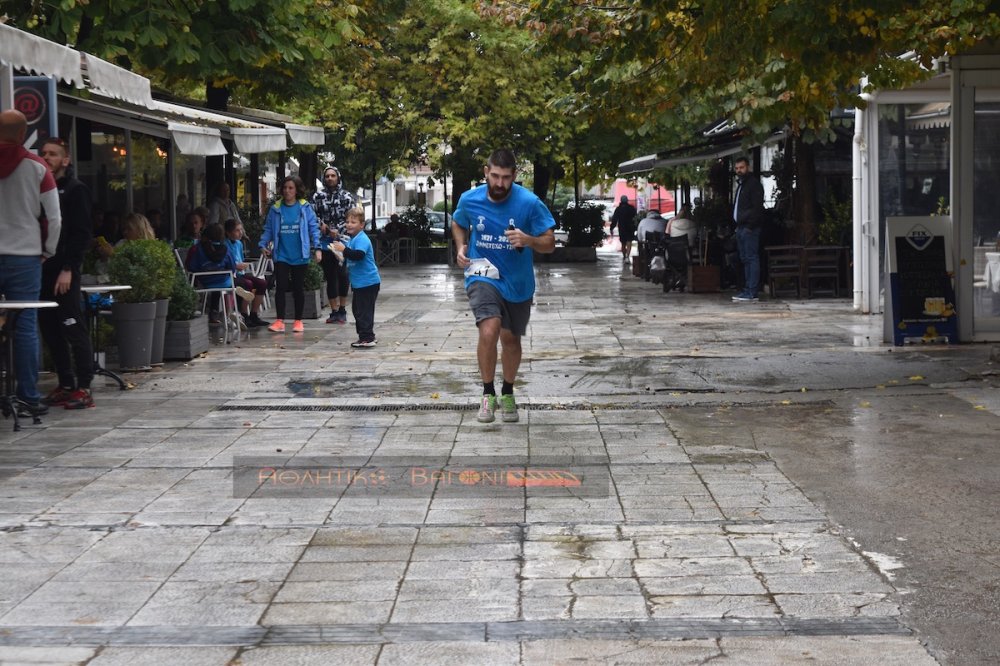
(122, 540)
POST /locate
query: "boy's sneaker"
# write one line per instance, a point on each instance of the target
(508, 408)
(298, 326)
(278, 326)
(360, 344)
(244, 294)
(487, 409)
(57, 396)
(254, 320)
(333, 318)
(745, 298)
(341, 316)
(81, 400)
(26, 409)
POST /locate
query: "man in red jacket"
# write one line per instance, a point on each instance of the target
(29, 233)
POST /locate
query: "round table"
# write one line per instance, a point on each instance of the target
(93, 314)
(8, 401)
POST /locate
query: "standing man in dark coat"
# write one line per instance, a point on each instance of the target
(624, 219)
(64, 328)
(748, 214)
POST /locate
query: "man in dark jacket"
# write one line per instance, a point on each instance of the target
(624, 219)
(331, 204)
(64, 328)
(748, 213)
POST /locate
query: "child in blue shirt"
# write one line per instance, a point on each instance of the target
(365, 279)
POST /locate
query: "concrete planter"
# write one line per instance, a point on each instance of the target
(313, 307)
(134, 333)
(159, 329)
(183, 340)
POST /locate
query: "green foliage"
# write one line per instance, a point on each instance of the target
(253, 224)
(714, 214)
(415, 218)
(837, 220)
(147, 266)
(314, 276)
(183, 299)
(584, 225)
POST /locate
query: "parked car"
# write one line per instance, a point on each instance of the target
(438, 228)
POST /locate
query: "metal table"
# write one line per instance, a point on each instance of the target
(8, 401)
(93, 314)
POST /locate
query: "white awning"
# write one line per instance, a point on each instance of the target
(305, 135)
(194, 140)
(117, 82)
(249, 137)
(258, 140)
(39, 56)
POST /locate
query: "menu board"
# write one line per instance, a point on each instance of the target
(921, 280)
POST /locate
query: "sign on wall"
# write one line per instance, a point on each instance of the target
(35, 97)
(921, 280)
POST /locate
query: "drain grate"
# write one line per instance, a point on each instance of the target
(423, 407)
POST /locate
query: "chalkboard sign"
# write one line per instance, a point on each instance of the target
(921, 280)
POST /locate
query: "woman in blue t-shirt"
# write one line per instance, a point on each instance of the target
(291, 235)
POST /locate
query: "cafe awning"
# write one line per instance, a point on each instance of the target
(305, 135)
(117, 82)
(688, 155)
(22, 50)
(249, 137)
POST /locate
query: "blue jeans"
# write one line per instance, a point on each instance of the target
(748, 243)
(21, 280)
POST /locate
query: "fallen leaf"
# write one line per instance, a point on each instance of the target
(786, 402)
(864, 403)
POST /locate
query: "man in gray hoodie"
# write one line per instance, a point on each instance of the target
(29, 234)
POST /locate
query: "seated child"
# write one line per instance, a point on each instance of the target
(250, 288)
(212, 254)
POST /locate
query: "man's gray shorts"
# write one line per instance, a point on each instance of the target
(487, 302)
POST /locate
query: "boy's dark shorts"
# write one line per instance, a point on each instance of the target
(487, 302)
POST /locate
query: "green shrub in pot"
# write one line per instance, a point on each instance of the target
(183, 299)
(148, 266)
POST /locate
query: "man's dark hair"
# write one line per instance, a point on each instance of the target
(742, 158)
(503, 158)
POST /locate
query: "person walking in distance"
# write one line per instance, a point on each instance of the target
(29, 233)
(64, 329)
(331, 204)
(748, 213)
(292, 228)
(498, 228)
(624, 219)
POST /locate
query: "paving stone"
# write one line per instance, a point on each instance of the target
(46, 655)
(158, 656)
(340, 590)
(449, 654)
(334, 612)
(313, 655)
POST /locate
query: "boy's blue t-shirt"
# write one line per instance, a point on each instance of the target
(288, 249)
(486, 222)
(199, 262)
(236, 249)
(363, 272)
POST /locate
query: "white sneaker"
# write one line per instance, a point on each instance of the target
(487, 409)
(244, 294)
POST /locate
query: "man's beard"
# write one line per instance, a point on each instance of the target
(498, 193)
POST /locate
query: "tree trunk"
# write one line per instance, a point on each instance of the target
(543, 176)
(215, 165)
(805, 191)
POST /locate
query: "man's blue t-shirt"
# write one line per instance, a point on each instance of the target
(289, 245)
(485, 221)
(363, 272)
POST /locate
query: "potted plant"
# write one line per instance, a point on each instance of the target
(313, 286)
(148, 267)
(711, 216)
(186, 333)
(584, 226)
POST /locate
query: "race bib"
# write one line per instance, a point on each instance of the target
(482, 268)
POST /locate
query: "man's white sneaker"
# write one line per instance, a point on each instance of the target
(487, 409)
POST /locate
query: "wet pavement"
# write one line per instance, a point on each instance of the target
(775, 486)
